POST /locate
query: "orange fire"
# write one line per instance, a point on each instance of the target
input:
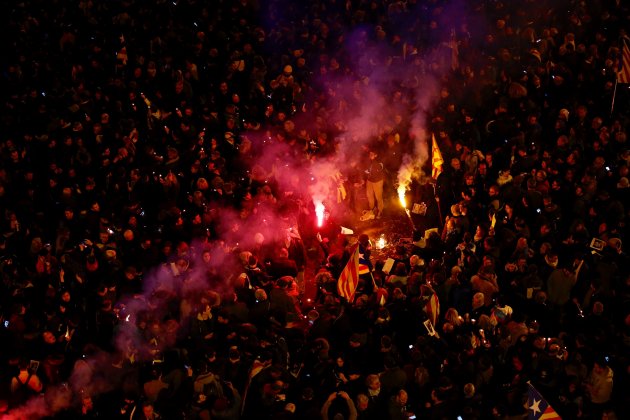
(401, 195)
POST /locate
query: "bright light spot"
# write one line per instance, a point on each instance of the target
(127, 318)
(401, 195)
(380, 244)
(319, 212)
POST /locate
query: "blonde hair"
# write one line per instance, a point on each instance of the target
(452, 316)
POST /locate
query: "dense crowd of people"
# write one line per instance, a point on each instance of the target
(161, 167)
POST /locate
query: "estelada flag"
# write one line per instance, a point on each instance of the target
(349, 278)
(623, 74)
(537, 407)
(436, 159)
(431, 303)
(364, 264)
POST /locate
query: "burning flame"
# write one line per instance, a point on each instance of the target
(319, 212)
(380, 244)
(401, 195)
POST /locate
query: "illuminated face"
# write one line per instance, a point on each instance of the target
(402, 397)
(49, 338)
(375, 384)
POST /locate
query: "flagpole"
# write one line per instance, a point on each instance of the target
(437, 200)
(612, 106)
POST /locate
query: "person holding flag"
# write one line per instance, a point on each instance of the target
(349, 278)
(358, 267)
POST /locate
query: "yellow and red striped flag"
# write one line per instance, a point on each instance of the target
(436, 159)
(623, 74)
(432, 303)
(349, 278)
(537, 407)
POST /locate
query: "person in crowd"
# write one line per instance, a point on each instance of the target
(158, 248)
